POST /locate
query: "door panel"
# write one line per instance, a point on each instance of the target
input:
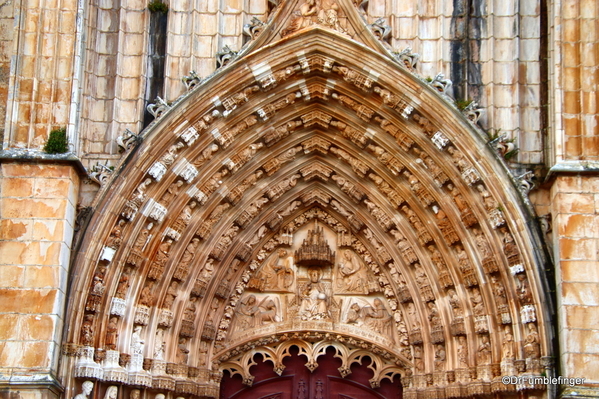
(296, 381)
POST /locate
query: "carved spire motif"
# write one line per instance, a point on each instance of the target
(315, 250)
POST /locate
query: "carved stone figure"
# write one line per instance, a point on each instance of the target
(136, 200)
(418, 188)
(315, 298)
(478, 306)
(348, 187)
(466, 267)
(449, 234)
(112, 333)
(274, 164)
(205, 156)
(272, 137)
(358, 166)
(454, 302)
(146, 298)
(237, 192)
(250, 313)
(123, 286)
(424, 236)
(508, 346)
(183, 267)
(394, 165)
(183, 352)
(524, 292)
(111, 392)
(86, 390)
(285, 185)
(114, 240)
(462, 352)
(243, 156)
(381, 217)
(237, 99)
(483, 355)
(352, 277)
(302, 18)
(466, 213)
(436, 172)
(393, 195)
(171, 295)
(277, 274)
(171, 154)
(532, 347)
(407, 253)
(404, 141)
(378, 318)
(440, 357)
(159, 345)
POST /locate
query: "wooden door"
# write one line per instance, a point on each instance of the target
(297, 382)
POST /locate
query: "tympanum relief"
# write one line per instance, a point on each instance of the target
(316, 280)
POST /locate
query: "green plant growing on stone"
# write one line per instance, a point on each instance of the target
(462, 104)
(157, 6)
(57, 142)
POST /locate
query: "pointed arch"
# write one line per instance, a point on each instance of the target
(233, 170)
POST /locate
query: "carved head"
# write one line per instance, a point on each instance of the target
(314, 274)
(87, 387)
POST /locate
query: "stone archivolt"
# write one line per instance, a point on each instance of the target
(405, 203)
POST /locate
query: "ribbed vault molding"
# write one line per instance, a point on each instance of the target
(326, 94)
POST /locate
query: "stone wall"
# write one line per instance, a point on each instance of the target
(37, 214)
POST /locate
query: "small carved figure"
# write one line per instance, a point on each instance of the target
(440, 356)
(508, 348)
(315, 298)
(171, 295)
(532, 348)
(86, 390)
(171, 192)
(358, 166)
(478, 306)
(205, 156)
(483, 356)
(445, 226)
(183, 353)
(418, 188)
(302, 18)
(137, 343)
(123, 286)
(467, 216)
(146, 298)
(111, 392)
(352, 274)
(112, 333)
(169, 157)
(114, 240)
(378, 318)
(87, 330)
(462, 352)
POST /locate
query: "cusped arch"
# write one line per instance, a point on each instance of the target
(220, 181)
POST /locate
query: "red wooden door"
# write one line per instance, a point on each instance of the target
(297, 382)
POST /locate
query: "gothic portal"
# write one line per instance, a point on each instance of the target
(313, 213)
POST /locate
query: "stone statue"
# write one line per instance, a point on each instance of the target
(87, 331)
(352, 277)
(315, 298)
(112, 333)
(462, 352)
(111, 392)
(86, 389)
(483, 355)
(378, 318)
